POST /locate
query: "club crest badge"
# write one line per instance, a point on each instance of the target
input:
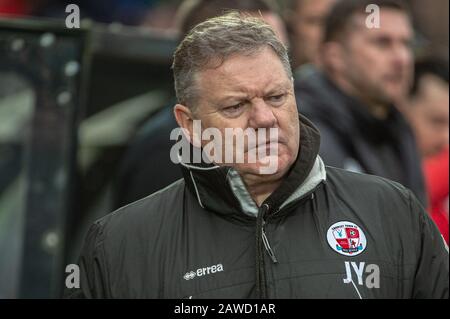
(346, 238)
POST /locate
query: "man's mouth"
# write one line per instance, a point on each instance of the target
(271, 144)
(397, 78)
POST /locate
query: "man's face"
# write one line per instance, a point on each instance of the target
(429, 115)
(378, 62)
(307, 24)
(251, 92)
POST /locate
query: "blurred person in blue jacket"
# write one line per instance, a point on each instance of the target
(366, 70)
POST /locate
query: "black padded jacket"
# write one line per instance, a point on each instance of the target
(324, 233)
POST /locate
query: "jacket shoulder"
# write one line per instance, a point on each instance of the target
(362, 182)
(144, 214)
(373, 197)
(114, 243)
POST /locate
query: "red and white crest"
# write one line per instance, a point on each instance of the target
(346, 238)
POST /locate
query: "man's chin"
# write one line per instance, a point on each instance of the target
(269, 166)
(392, 93)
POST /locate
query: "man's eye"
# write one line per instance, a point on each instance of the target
(276, 98)
(233, 109)
(382, 42)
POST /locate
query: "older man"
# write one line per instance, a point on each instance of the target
(137, 179)
(229, 231)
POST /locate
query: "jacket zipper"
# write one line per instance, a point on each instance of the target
(261, 281)
(267, 245)
(266, 242)
(264, 237)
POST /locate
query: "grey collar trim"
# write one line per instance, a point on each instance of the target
(249, 207)
(247, 203)
(314, 178)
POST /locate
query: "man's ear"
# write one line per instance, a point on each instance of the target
(185, 119)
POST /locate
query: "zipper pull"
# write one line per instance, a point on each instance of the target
(268, 248)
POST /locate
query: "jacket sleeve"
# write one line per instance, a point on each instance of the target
(92, 269)
(431, 279)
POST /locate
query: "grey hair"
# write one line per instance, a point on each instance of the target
(211, 42)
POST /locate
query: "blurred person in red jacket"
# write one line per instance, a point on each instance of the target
(428, 113)
(436, 174)
(15, 8)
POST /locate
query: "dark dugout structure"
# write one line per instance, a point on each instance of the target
(70, 100)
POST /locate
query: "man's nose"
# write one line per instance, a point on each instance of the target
(402, 56)
(261, 115)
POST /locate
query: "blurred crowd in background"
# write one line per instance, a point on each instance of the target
(380, 98)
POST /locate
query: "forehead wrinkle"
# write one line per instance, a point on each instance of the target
(239, 80)
(253, 86)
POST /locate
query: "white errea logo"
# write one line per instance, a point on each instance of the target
(203, 271)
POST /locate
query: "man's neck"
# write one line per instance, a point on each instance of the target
(260, 187)
(375, 108)
(378, 110)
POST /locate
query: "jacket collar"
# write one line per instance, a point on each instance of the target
(221, 189)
